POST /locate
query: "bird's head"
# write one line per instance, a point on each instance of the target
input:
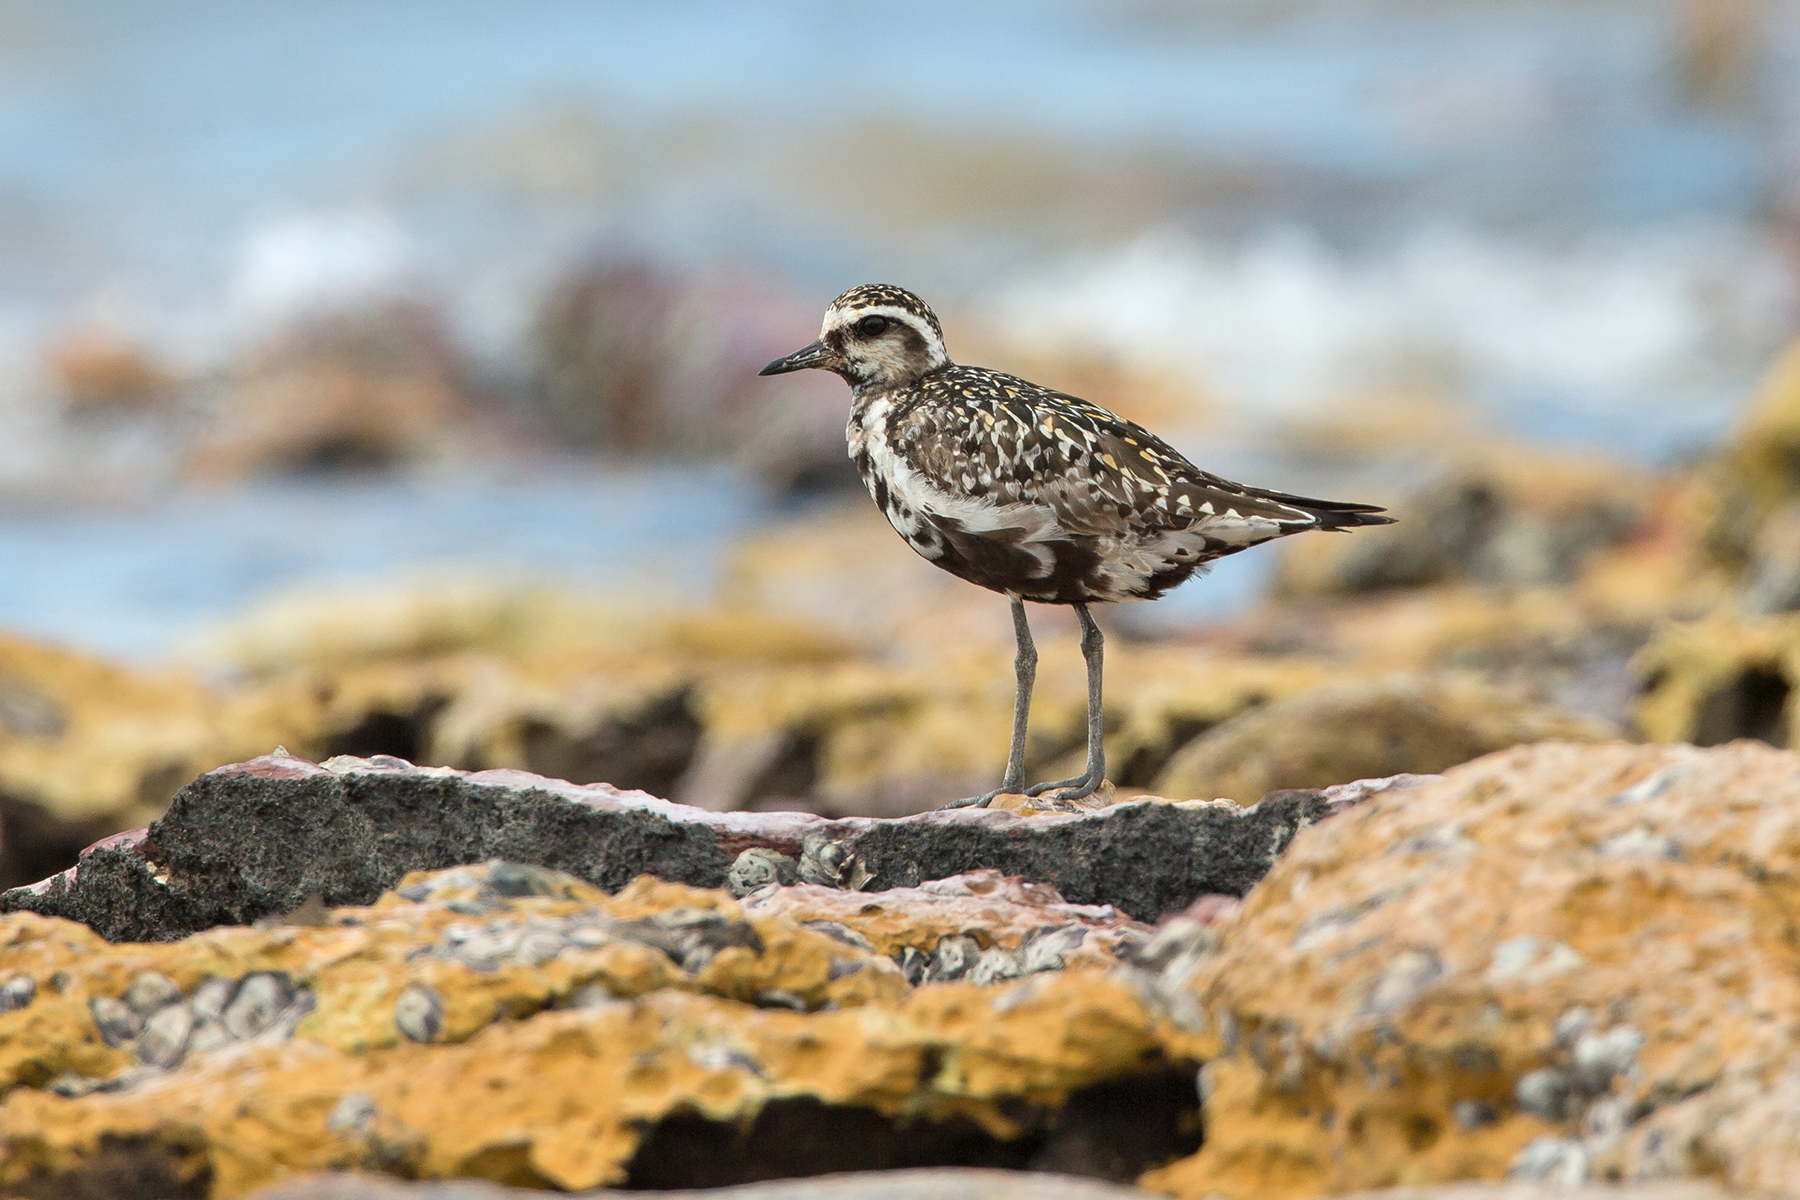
(875, 335)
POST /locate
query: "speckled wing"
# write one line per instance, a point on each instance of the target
(1010, 442)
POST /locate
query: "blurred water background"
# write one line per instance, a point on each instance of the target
(324, 293)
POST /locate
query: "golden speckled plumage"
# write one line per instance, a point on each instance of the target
(1030, 492)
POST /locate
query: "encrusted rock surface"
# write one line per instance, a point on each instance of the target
(919, 1184)
(944, 1185)
(1557, 963)
(1419, 723)
(263, 837)
(514, 1024)
(1501, 515)
(1722, 677)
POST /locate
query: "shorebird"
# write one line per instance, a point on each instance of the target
(1032, 493)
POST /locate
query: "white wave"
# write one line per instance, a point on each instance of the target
(306, 262)
(1611, 323)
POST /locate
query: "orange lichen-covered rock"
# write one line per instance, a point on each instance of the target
(515, 1024)
(1341, 732)
(922, 1183)
(1557, 963)
(1024, 927)
(1722, 677)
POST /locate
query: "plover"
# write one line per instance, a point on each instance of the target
(1032, 493)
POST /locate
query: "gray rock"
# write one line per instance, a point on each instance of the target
(211, 998)
(350, 833)
(1600, 1056)
(539, 946)
(419, 1013)
(208, 1036)
(591, 995)
(1572, 1024)
(259, 1003)
(17, 992)
(512, 880)
(841, 932)
(165, 1036)
(150, 992)
(828, 862)
(758, 867)
(353, 832)
(1042, 949)
(1547, 1093)
(354, 1113)
(1473, 1114)
(1559, 1161)
(954, 957)
(933, 1183)
(995, 965)
(692, 936)
(118, 1024)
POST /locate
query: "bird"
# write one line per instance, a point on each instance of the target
(1033, 493)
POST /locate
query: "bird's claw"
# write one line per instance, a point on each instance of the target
(1073, 783)
(980, 801)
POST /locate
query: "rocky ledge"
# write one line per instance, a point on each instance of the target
(1555, 966)
(264, 837)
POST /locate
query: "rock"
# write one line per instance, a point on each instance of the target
(419, 1013)
(1719, 678)
(918, 1184)
(150, 992)
(633, 359)
(746, 705)
(115, 1020)
(985, 907)
(349, 390)
(1460, 981)
(1751, 478)
(17, 992)
(100, 371)
(1686, 1190)
(86, 749)
(349, 830)
(165, 1036)
(1500, 516)
(1341, 732)
(724, 1045)
(758, 868)
(257, 1004)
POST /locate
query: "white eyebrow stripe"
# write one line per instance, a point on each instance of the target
(836, 319)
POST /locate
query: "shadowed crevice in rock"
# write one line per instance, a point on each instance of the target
(1113, 1131)
(124, 1167)
(35, 842)
(647, 749)
(261, 838)
(924, 1183)
(1753, 705)
(401, 734)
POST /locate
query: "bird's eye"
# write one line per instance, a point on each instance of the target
(872, 326)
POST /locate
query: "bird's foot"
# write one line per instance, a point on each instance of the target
(981, 801)
(1065, 792)
(1038, 789)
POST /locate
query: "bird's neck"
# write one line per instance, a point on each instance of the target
(887, 385)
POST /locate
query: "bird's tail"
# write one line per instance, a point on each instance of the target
(1333, 514)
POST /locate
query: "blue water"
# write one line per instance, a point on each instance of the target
(136, 583)
(142, 142)
(150, 133)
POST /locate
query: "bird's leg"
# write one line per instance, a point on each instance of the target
(1025, 676)
(1093, 647)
